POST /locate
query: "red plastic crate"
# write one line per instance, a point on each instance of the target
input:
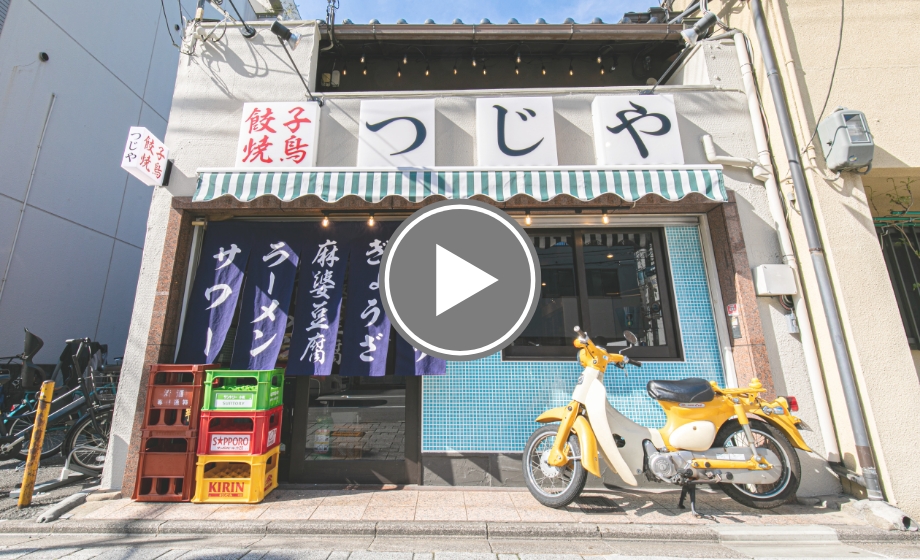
(166, 468)
(239, 433)
(174, 394)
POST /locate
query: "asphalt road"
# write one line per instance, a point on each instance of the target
(11, 478)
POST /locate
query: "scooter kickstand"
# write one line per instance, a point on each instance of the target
(691, 490)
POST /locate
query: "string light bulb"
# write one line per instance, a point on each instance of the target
(543, 68)
(518, 57)
(602, 69)
(605, 218)
(364, 71)
(427, 70)
(370, 220)
(613, 63)
(600, 59)
(455, 68)
(405, 59)
(325, 219)
(527, 219)
(344, 68)
(571, 70)
(474, 61)
(517, 69)
(483, 68)
(398, 71)
(362, 58)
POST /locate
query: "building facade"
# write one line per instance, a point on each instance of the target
(73, 221)
(662, 243)
(833, 54)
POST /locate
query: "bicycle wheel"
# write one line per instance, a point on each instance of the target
(84, 445)
(54, 437)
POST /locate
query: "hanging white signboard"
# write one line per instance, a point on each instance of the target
(278, 134)
(396, 133)
(145, 157)
(636, 130)
(515, 131)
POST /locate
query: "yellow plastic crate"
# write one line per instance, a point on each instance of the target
(235, 479)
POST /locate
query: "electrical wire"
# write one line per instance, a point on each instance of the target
(830, 86)
(168, 30)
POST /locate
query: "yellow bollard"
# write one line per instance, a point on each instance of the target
(35, 446)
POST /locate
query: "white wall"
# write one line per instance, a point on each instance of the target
(75, 265)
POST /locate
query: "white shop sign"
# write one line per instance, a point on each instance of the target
(396, 133)
(145, 157)
(278, 134)
(516, 131)
(636, 130)
(510, 132)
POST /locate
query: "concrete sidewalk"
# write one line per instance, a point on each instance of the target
(455, 504)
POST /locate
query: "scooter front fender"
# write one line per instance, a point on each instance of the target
(586, 439)
(596, 405)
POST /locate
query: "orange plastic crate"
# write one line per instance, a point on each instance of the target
(166, 468)
(174, 393)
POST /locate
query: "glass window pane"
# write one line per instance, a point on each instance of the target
(622, 279)
(557, 311)
(357, 418)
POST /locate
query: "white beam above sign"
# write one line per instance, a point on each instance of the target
(145, 157)
(516, 131)
(278, 134)
(396, 133)
(636, 130)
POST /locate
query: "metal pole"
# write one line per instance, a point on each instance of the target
(816, 248)
(35, 446)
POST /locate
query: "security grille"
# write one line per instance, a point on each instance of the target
(900, 246)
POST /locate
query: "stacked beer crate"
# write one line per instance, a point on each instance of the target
(240, 436)
(169, 433)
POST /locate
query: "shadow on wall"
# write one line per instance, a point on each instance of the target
(454, 145)
(578, 147)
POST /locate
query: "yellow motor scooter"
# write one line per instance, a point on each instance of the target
(729, 437)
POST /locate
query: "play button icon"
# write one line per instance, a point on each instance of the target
(460, 280)
(456, 280)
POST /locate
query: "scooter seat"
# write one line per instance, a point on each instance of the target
(693, 390)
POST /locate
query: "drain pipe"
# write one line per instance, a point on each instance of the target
(816, 248)
(763, 170)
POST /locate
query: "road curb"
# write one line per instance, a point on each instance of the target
(459, 529)
(671, 532)
(868, 534)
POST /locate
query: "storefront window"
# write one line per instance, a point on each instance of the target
(606, 281)
(355, 418)
(557, 311)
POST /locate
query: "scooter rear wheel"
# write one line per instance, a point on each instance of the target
(762, 496)
(554, 487)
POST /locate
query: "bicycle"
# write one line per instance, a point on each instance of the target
(92, 398)
(22, 390)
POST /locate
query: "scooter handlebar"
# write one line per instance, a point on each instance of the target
(636, 363)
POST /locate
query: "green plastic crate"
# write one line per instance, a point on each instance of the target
(243, 390)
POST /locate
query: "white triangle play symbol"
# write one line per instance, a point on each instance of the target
(456, 280)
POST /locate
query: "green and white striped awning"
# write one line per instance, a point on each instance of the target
(584, 183)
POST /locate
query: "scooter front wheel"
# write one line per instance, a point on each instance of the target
(554, 487)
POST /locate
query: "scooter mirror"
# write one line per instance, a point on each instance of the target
(630, 338)
(577, 328)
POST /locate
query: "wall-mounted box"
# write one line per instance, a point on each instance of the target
(846, 141)
(774, 280)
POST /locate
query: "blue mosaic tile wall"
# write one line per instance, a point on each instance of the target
(461, 410)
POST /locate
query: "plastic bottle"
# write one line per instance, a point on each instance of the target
(322, 436)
